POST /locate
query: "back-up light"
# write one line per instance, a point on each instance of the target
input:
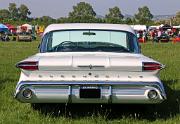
(151, 66)
(28, 65)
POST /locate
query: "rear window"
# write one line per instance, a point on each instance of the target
(89, 40)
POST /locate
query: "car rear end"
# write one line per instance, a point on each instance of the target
(164, 38)
(24, 37)
(103, 81)
(89, 63)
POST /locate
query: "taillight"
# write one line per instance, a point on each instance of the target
(28, 65)
(151, 66)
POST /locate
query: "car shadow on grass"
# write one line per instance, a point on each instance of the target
(151, 112)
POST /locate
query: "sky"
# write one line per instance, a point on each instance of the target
(61, 8)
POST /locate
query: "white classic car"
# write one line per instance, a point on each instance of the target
(89, 63)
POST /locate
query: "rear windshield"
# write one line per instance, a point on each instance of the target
(89, 41)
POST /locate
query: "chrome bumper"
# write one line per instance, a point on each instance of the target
(110, 92)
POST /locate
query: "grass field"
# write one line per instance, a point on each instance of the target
(14, 112)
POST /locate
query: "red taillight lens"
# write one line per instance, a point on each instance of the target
(28, 65)
(151, 66)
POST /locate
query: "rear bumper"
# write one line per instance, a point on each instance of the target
(164, 40)
(110, 92)
(24, 39)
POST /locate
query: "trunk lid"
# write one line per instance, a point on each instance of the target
(91, 61)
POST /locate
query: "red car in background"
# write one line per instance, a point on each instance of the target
(176, 39)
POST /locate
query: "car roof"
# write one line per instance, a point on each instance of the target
(101, 26)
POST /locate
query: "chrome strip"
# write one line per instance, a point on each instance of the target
(87, 83)
(157, 85)
(91, 66)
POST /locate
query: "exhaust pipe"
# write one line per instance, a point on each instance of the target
(152, 94)
(27, 93)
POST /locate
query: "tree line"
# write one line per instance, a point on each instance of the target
(16, 14)
(82, 13)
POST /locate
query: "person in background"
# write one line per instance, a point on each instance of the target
(3, 36)
(138, 35)
(166, 32)
(144, 36)
(6, 37)
(159, 34)
(153, 34)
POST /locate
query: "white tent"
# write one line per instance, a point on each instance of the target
(139, 27)
(29, 27)
(153, 27)
(176, 26)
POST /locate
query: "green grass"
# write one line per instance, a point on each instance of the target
(14, 112)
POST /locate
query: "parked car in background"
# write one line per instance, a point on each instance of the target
(164, 38)
(4, 36)
(89, 63)
(24, 36)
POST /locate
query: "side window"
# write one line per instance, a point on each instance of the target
(43, 44)
(49, 42)
(136, 44)
(133, 43)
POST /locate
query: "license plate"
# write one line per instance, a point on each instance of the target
(90, 92)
